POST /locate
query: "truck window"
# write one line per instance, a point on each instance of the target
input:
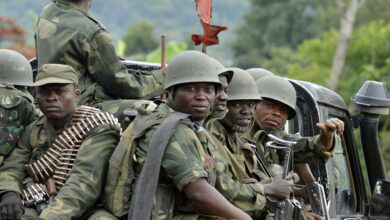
(342, 180)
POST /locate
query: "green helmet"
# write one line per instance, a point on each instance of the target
(15, 69)
(242, 86)
(222, 71)
(258, 73)
(279, 89)
(192, 66)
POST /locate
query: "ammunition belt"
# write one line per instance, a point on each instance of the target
(58, 160)
(35, 194)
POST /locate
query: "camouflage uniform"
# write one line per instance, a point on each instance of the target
(84, 181)
(16, 112)
(183, 163)
(67, 34)
(239, 161)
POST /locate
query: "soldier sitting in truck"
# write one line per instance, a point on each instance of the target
(57, 169)
(278, 105)
(16, 103)
(67, 34)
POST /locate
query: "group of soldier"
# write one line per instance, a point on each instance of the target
(200, 154)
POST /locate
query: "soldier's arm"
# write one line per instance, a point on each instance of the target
(248, 197)
(184, 165)
(85, 180)
(311, 149)
(106, 69)
(207, 200)
(12, 172)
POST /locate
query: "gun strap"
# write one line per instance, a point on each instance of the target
(142, 201)
(61, 155)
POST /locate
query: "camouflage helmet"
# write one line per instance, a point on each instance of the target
(190, 67)
(15, 69)
(278, 89)
(258, 73)
(242, 86)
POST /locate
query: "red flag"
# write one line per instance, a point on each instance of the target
(210, 32)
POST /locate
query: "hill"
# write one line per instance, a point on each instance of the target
(175, 18)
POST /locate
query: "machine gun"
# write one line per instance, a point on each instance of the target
(289, 208)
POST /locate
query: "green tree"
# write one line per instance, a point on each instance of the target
(140, 39)
(282, 24)
(368, 58)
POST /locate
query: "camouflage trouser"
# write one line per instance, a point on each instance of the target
(96, 214)
(1, 159)
(196, 217)
(117, 107)
(28, 213)
(101, 214)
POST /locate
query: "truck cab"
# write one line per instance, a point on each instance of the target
(348, 193)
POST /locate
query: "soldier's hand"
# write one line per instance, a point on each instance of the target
(279, 188)
(313, 216)
(121, 58)
(11, 206)
(330, 126)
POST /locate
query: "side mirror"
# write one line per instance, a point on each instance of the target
(380, 201)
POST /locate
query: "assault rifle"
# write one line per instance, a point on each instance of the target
(289, 208)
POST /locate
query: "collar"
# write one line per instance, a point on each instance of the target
(75, 6)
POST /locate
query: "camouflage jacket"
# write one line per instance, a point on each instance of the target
(240, 160)
(308, 149)
(183, 163)
(84, 182)
(16, 112)
(67, 34)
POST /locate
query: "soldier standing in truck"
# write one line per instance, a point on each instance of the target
(67, 34)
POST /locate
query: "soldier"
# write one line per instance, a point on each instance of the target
(258, 73)
(58, 166)
(16, 103)
(67, 34)
(237, 151)
(278, 105)
(219, 109)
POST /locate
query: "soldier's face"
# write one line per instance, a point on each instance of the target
(272, 114)
(241, 112)
(194, 99)
(58, 101)
(220, 101)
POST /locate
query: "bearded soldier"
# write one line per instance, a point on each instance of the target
(16, 103)
(58, 166)
(66, 33)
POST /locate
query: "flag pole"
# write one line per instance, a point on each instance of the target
(204, 50)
